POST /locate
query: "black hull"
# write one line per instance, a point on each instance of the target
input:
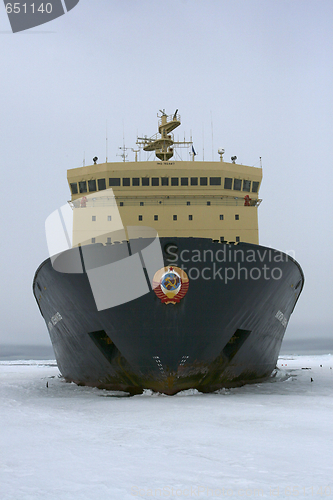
(223, 333)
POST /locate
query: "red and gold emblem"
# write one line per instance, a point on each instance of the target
(170, 284)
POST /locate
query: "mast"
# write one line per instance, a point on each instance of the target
(162, 142)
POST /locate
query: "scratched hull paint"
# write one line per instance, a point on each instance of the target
(226, 331)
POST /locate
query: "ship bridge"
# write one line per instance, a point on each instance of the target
(204, 199)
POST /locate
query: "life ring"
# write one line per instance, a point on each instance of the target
(83, 202)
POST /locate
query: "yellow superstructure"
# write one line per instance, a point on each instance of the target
(208, 199)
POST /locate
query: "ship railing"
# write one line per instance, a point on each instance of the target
(102, 201)
(106, 201)
(145, 141)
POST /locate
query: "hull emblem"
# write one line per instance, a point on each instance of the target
(170, 284)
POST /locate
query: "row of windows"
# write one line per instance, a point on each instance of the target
(141, 203)
(190, 217)
(165, 181)
(108, 240)
(92, 186)
(229, 183)
(93, 218)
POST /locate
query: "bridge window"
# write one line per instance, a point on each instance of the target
(145, 181)
(203, 181)
(237, 184)
(114, 181)
(194, 181)
(83, 186)
(227, 183)
(74, 187)
(126, 181)
(184, 181)
(246, 185)
(101, 184)
(155, 181)
(92, 185)
(135, 181)
(215, 181)
(255, 186)
(165, 181)
(174, 181)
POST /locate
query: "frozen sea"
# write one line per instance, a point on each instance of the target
(268, 440)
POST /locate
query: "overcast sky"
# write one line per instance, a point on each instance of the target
(260, 70)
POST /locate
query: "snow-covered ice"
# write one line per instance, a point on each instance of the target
(269, 440)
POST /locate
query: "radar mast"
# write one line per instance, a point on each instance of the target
(162, 142)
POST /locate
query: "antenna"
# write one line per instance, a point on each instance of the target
(221, 153)
(203, 143)
(84, 158)
(123, 155)
(106, 142)
(136, 151)
(211, 121)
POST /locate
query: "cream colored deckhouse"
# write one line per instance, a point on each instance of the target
(208, 199)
